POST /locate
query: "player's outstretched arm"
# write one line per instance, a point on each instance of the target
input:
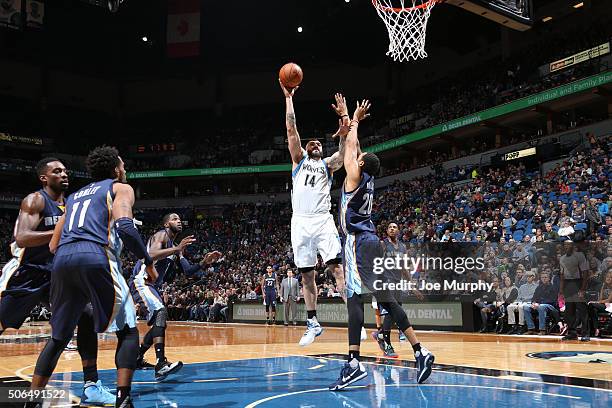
(293, 137)
(57, 234)
(28, 220)
(335, 161)
(122, 214)
(157, 241)
(352, 149)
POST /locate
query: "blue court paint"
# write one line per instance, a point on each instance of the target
(253, 383)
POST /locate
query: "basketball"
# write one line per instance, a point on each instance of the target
(291, 75)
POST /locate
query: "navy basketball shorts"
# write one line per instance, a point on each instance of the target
(22, 287)
(359, 254)
(86, 272)
(270, 298)
(146, 295)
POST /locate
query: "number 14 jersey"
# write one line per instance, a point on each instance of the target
(312, 182)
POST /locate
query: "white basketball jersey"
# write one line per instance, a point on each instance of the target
(311, 187)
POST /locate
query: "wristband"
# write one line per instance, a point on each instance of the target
(344, 115)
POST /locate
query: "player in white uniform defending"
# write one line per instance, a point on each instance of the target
(312, 226)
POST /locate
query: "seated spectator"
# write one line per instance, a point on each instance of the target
(566, 231)
(525, 294)
(544, 301)
(486, 303)
(603, 303)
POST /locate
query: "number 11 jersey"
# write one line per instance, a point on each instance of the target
(312, 183)
(89, 216)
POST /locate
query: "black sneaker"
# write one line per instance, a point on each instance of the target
(585, 338)
(424, 361)
(377, 336)
(348, 376)
(126, 403)
(166, 368)
(142, 364)
(570, 336)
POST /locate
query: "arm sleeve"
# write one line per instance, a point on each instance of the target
(131, 239)
(188, 268)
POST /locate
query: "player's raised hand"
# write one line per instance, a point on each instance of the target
(212, 257)
(288, 92)
(342, 130)
(340, 105)
(361, 112)
(185, 242)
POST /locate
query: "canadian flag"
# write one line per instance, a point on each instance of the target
(183, 28)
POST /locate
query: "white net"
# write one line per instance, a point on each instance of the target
(406, 23)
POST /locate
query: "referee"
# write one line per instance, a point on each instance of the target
(574, 277)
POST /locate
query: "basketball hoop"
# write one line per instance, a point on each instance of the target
(407, 26)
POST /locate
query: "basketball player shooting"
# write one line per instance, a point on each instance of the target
(312, 226)
(361, 247)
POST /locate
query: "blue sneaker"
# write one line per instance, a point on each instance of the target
(402, 337)
(424, 362)
(348, 376)
(389, 351)
(97, 395)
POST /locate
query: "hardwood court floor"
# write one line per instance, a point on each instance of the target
(202, 342)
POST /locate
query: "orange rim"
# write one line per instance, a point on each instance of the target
(376, 3)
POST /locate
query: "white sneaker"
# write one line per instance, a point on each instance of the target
(313, 330)
(364, 335)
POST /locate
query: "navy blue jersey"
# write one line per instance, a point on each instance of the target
(356, 207)
(50, 215)
(89, 217)
(165, 267)
(391, 250)
(270, 282)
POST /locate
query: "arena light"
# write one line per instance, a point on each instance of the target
(547, 19)
(578, 5)
(300, 29)
(145, 39)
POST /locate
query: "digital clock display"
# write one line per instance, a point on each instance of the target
(156, 148)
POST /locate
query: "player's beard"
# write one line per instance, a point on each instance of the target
(314, 155)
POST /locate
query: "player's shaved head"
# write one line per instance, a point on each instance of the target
(167, 217)
(314, 149)
(173, 222)
(43, 165)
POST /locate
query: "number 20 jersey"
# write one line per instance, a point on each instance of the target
(356, 207)
(89, 216)
(312, 182)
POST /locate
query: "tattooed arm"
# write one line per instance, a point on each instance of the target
(293, 137)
